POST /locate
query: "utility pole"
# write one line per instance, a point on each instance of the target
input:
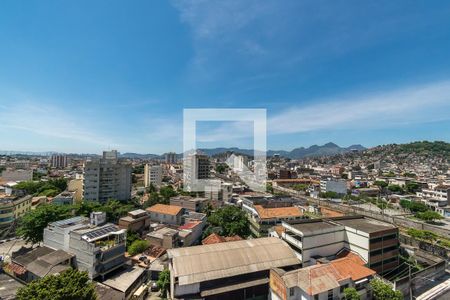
(410, 282)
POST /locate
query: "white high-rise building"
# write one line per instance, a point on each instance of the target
(152, 175)
(59, 161)
(239, 162)
(171, 158)
(107, 178)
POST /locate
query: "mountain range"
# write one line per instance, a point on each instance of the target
(297, 153)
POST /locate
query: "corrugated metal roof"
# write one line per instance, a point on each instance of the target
(208, 262)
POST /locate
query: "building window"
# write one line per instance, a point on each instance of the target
(291, 292)
(330, 295)
(316, 297)
(343, 287)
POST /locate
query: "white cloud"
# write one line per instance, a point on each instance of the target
(400, 107)
(410, 105)
(49, 121)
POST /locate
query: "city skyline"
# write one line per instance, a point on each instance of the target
(84, 78)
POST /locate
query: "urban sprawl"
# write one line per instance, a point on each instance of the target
(354, 224)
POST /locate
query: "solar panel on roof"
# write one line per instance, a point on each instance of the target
(101, 231)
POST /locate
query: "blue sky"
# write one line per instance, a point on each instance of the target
(82, 76)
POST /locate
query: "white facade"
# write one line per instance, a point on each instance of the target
(152, 175)
(106, 178)
(333, 185)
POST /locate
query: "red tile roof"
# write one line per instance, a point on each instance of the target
(214, 238)
(351, 255)
(189, 225)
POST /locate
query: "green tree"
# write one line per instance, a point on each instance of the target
(300, 187)
(164, 282)
(380, 183)
(131, 237)
(383, 291)
(167, 192)
(413, 206)
(69, 285)
(269, 188)
(32, 224)
(232, 220)
(395, 188)
(138, 246)
(151, 188)
(329, 195)
(429, 216)
(412, 187)
(351, 294)
(221, 168)
(153, 198)
(43, 188)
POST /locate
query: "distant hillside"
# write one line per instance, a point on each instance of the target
(297, 153)
(422, 148)
(140, 156)
(315, 150)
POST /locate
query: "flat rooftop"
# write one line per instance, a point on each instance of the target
(364, 224)
(123, 280)
(357, 222)
(311, 226)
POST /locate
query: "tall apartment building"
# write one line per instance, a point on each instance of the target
(59, 161)
(171, 158)
(374, 241)
(196, 166)
(99, 248)
(152, 175)
(107, 178)
(239, 162)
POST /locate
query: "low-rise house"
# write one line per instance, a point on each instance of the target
(227, 270)
(166, 214)
(189, 203)
(127, 281)
(214, 238)
(371, 192)
(264, 218)
(64, 198)
(31, 264)
(321, 281)
(265, 212)
(190, 233)
(136, 221)
(164, 237)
